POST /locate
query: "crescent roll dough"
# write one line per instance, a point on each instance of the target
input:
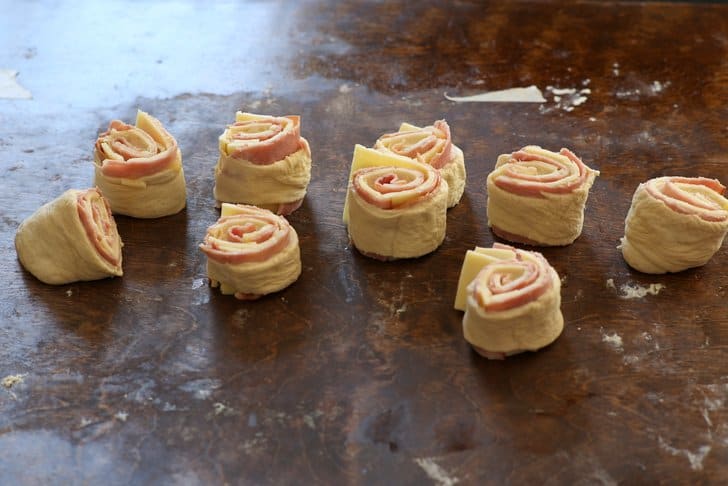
(537, 197)
(263, 161)
(511, 299)
(674, 223)
(139, 169)
(395, 211)
(70, 239)
(251, 252)
(430, 145)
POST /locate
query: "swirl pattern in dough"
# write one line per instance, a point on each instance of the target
(397, 212)
(537, 197)
(139, 168)
(264, 161)
(251, 252)
(675, 223)
(72, 238)
(513, 304)
(430, 145)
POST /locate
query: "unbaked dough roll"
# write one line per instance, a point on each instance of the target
(264, 161)
(537, 197)
(674, 223)
(70, 239)
(397, 212)
(513, 304)
(139, 169)
(430, 145)
(251, 252)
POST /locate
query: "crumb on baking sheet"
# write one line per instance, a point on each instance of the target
(614, 340)
(435, 472)
(222, 409)
(11, 380)
(635, 291)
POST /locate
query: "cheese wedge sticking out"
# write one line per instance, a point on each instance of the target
(229, 209)
(406, 127)
(474, 262)
(366, 157)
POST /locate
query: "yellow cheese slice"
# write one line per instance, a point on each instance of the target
(229, 209)
(226, 289)
(366, 157)
(473, 263)
(243, 117)
(406, 127)
(228, 146)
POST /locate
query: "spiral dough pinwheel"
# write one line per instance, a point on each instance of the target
(537, 197)
(675, 223)
(511, 300)
(139, 169)
(264, 161)
(251, 252)
(430, 145)
(70, 239)
(396, 212)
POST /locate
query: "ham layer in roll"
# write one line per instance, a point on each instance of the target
(395, 207)
(675, 223)
(72, 238)
(537, 197)
(139, 169)
(264, 161)
(430, 145)
(511, 299)
(251, 252)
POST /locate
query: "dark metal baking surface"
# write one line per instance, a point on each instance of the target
(358, 373)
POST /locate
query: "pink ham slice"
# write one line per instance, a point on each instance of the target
(379, 186)
(506, 235)
(669, 192)
(268, 139)
(99, 225)
(258, 235)
(127, 151)
(284, 209)
(430, 145)
(244, 296)
(496, 290)
(564, 178)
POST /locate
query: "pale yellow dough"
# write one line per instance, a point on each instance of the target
(408, 232)
(526, 328)
(161, 194)
(53, 246)
(551, 220)
(259, 278)
(267, 186)
(153, 196)
(660, 240)
(454, 174)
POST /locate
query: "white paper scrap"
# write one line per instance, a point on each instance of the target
(530, 94)
(9, 87)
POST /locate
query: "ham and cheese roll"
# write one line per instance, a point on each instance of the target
(264, 161)
(430, 145)
(395, 211)
(511, 299)
(537, 197)
(675, 223)
(251, 252)
(139, 169)
(70, 239)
